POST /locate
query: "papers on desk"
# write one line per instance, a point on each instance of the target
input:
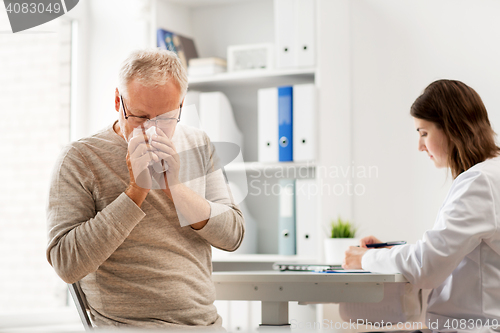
(318, 268)
(343, 271)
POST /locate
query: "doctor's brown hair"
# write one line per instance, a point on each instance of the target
(458, 110)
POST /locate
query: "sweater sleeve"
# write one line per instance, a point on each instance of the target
(80, 238)
(466, 218)
(226, 225)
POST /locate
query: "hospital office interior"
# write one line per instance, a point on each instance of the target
(372, 58)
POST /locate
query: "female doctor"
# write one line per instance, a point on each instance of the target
(459, 258)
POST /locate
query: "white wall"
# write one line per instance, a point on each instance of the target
(252, 22)
(79, 70)
(334, 125)
(398, 48)
(116, 28)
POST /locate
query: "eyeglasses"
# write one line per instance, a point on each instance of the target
(159, 121)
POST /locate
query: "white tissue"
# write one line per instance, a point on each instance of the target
(157, 166)
(150, 132)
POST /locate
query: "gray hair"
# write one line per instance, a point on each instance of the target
(152, 67)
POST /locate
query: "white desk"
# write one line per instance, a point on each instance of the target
(275, 289)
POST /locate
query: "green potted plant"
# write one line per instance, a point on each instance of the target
(341, 235)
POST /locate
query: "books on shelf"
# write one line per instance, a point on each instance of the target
(183, 46)
(206, 66)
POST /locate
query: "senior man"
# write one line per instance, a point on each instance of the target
(137, 264)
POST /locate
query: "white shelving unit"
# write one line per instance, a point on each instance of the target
(228, 23)
(274, 167)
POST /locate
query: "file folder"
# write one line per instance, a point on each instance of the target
(285, 123)
(305, 41)
(217, 118)
(304, 122)
(306, 200)
(285, 35)
(268, 125)
(286, 224)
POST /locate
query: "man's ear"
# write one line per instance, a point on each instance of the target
(117, 100)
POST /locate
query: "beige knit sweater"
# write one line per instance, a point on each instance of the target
(138, 266)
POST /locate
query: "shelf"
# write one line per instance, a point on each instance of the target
(260, 167)
(261, 78)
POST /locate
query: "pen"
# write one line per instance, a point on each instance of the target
(376, 245)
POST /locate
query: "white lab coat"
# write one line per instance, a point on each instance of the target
(459, 258)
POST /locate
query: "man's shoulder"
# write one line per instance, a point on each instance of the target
(102, 140)
(104, 136)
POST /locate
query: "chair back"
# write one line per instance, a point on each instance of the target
(81, 304)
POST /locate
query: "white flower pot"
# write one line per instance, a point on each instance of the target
(335, 249)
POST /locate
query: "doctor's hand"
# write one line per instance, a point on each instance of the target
(353, 257)
(369, 240)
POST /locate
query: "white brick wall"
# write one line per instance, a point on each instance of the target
(34, 125)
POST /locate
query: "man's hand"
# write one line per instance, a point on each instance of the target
(166, 154)
(194, 209)
(138, 157)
